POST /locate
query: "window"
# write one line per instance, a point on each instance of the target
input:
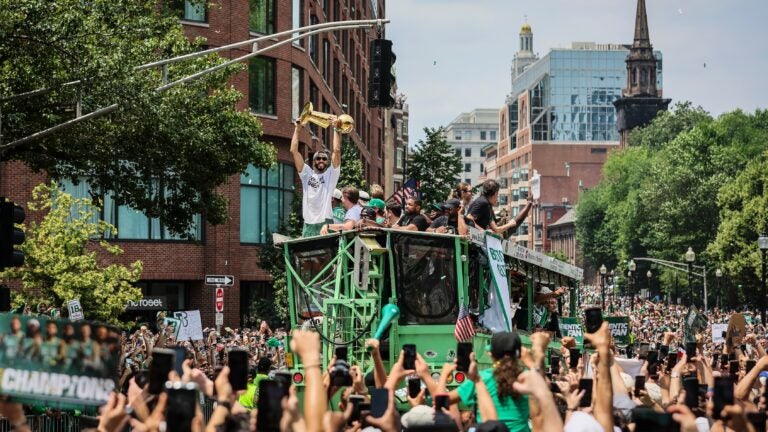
(457, 135)
(482, 153)
(174, 292)
(261, 17)
(313, 42)
(399, 158)
(549, 214)
(598, 150)
(265, 201)
(493, 135)
(192, 10)
(296, 20)
(261, 85)
(483, 135)
(405, 127)
(132, 224)
(482, 168)
(526, 158)
(467, 167)
(326, 59)
(458, 152)
(296, 89)
(468, 152)
(336, 79)
(468, 181)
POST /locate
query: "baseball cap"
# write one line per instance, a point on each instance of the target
(505, 343)
(364, 195)
(337, 194)
(451, 204)
(379, 204)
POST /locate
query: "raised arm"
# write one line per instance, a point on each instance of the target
(298, 159)
(603, 405)
(336, 151)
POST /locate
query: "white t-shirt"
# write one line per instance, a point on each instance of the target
(318, 191)
(353, 213)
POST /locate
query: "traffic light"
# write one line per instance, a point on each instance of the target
(380, 77)
(10, 215)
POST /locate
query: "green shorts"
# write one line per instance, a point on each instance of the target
(312, 229)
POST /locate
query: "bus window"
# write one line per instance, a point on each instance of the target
(308, 259)
(425, 272)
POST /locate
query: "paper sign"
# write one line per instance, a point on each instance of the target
(718, 332)
(57, 363)
(75, 310)
(173, 322)
(190, 327)
(619, 326)
(571, 327)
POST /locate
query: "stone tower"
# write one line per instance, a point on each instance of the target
(641, 99)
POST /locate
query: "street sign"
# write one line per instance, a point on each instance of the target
(219, 319)
(226, 280)
(219, 299)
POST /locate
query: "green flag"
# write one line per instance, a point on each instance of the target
(695, 322)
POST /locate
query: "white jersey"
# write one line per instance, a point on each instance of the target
(318, 191)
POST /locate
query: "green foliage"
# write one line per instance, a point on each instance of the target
(687, 181)
(558, 255)
(435, 165)
(351, 166)
(186, 141)
(62, 258)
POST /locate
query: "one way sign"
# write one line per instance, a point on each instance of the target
(225, 280)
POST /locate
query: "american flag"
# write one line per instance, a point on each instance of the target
(408, 190)
(465, 328)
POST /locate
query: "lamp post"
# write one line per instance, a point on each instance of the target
(762, 243)
(649, 274)
(632, 268)
(690, 257)
(603, 271)
(719, 274)
(613, 289)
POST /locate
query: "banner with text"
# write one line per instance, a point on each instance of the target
(718, 332)
(57, 363)
(619, 326)
(190, 327)
(571, 327)
(498, 315)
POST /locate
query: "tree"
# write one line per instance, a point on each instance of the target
(62, 258)
(435, 165)
(351, 166)
(163, 153)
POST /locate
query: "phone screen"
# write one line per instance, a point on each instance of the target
(238, 369)
(441, 401)
(715, 360)
(270, 412)
(554, 365)
(573, 359)
(181, 355)
(646, 419)
(750, 365)
(733, 367)
(653, 362)
(690, 350)
(671, 360)
(356, 401)
(180, 410)
(758, 420)
(586, 385)
(724, 358)
(409, 358)
(379, 401)
(593, 319)
(723, 395)
(414, 387)
(159, 367)
(463, 350)
(642, 353)
(639, 384)
(691, 387)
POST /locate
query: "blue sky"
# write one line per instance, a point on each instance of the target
(454, 55)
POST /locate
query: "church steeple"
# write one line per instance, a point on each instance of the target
(641, 63)
(642, 38)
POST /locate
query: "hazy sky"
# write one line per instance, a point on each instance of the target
(455, 55)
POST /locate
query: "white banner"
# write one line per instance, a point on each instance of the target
(498, 316)
(190, 327)
(75, 310)
(718, 330)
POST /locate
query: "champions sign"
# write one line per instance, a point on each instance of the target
(57, 363)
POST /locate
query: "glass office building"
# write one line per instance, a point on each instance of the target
(571, 93)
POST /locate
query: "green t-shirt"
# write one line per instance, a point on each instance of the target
(512, 412)
(251, 396)
(338, 215)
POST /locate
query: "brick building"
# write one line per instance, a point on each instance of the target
(328, 69)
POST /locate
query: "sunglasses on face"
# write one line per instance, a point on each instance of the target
(321, 159)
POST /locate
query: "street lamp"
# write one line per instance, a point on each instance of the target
(632, 268)
(690, 257)
(762, 243)
(613, 289)
(649, 274)
(719, 274)
(603, 271)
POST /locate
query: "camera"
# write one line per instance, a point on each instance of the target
(339, 372)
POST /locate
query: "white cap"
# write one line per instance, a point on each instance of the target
(337, 194)
(364, 196)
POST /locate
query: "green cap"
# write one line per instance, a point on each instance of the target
(379, 204)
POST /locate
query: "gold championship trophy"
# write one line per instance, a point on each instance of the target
(308, 115)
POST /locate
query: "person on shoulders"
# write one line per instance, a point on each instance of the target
(317, 181)
(412, 220)
(349, 199)
(481, 209)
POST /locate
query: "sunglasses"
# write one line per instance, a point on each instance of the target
(321, 159)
